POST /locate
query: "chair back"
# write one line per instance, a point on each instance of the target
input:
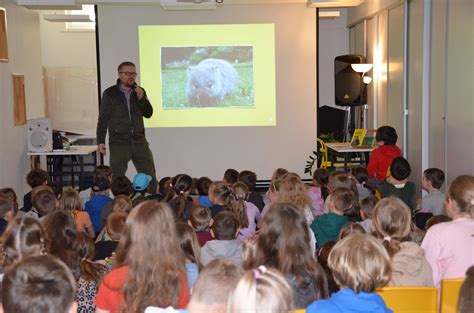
(410, 299)
(450, 294)
(298, 311)
(323, 151)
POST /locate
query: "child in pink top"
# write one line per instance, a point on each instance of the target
(316, 192)
(246, 212)
(449, 247)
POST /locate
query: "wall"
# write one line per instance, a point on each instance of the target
(61, 47)
(70, 71)
(459, 78)
(415, 75)
(368, 8)
(25, 57)
(333, 41)
(209, 151)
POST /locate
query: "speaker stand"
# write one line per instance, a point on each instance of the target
(349, 123)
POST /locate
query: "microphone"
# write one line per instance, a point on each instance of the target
(134, 86)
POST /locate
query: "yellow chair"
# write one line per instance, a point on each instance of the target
(298, 311)
(325, 162)
(323, 150)
(410, 299)
(450, 294)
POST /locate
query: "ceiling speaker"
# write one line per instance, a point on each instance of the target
(40, 135)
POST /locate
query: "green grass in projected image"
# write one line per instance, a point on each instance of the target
(174, 95)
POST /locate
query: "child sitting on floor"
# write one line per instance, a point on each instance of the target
(202, 186)
(269, 290)
(327, 226)
(35, 178)
(361, 176)
(225, 230)
(381, 157)
(366, 209)
(189, 244)
(318, 192)
(391, 225)
(98, 201)
(46, 283)
(246, 212)
(180, 202)
(397, 183)
(432, 181)
(250, 179)
(201, 221)
(213, 287)
(360, 265)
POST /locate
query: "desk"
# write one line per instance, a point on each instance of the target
(347, 149)
(55, 166)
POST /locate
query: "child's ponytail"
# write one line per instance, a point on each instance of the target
(236, 203)
(89, 270)
(391, 223)
(181, 185)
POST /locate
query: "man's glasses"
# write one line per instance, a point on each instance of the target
(129, 73)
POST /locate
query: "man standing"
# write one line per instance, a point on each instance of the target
(122, 110)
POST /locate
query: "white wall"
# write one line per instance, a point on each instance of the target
(459, 101)
(70, 71)
(333, 41)
(367, 8)
(60, 47)
(24, 50)
(209, 151)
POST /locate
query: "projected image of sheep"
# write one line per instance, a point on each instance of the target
(211, 76)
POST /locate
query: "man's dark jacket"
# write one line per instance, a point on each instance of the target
(114, 116)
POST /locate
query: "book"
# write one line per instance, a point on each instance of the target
(369, 139)
(358, 137)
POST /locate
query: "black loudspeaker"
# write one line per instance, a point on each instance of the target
(348, 85)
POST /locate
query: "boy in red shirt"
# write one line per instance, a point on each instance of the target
(381, 158)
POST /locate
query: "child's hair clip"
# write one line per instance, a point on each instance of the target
(259, 271)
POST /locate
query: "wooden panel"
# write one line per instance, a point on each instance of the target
(19, 101)
(3, 36)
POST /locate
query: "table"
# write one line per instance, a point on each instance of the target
(56, 168)
(347, 149)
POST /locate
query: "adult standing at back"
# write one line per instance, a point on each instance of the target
(122, 109)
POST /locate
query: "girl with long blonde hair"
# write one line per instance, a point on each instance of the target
(72, 205)
(264, 290)
(391, 225)
(151, 266)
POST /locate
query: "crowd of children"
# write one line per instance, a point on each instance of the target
(197, 245)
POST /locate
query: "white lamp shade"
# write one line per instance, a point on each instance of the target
(361, 67)
(367, 80)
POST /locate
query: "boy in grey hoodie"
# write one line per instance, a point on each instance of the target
(225, 230)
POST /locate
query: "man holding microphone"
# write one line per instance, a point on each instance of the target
(122, 109)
